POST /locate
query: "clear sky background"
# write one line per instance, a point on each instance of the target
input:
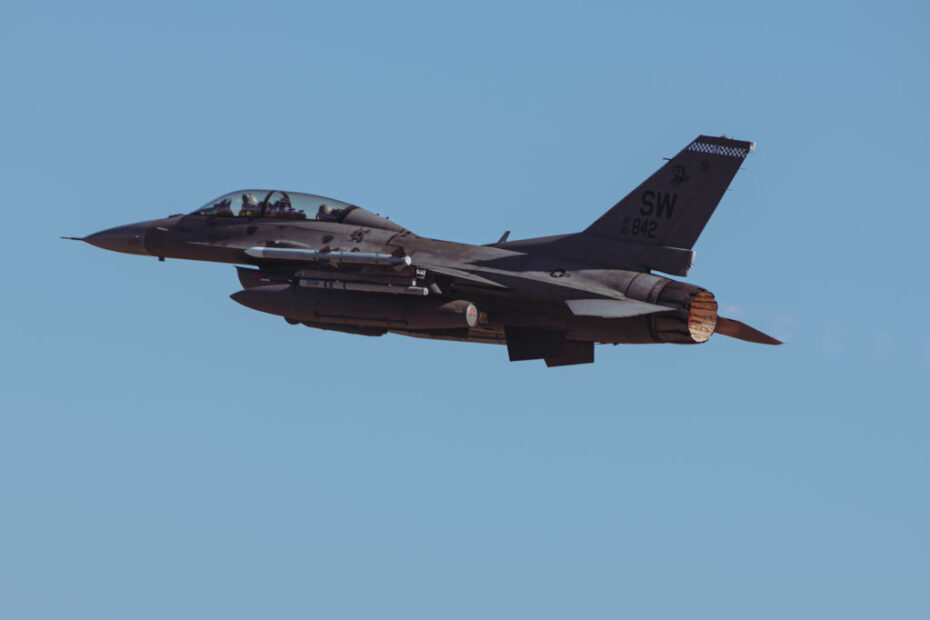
(167, 453)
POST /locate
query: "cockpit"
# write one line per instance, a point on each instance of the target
(277, 204)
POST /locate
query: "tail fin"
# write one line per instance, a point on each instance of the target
(672, 206)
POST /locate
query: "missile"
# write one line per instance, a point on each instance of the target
(344, 258)
(366, 287)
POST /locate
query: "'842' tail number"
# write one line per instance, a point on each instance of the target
(643, 227)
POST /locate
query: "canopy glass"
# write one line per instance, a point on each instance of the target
(276, 203)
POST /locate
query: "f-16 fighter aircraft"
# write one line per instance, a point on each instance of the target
(331, 265)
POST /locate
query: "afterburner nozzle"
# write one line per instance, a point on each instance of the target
(702, 316)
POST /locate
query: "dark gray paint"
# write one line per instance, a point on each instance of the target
(548, 298)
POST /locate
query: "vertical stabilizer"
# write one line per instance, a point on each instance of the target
(672, 206)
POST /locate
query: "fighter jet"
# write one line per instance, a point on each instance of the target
(332, 265)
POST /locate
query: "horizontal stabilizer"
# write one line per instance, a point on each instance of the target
(741, 331)
(612, 308)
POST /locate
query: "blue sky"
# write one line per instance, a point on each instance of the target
(165, 452)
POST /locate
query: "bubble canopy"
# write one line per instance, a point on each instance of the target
(277, 204)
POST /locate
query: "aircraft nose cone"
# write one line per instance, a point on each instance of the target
(129, 239)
